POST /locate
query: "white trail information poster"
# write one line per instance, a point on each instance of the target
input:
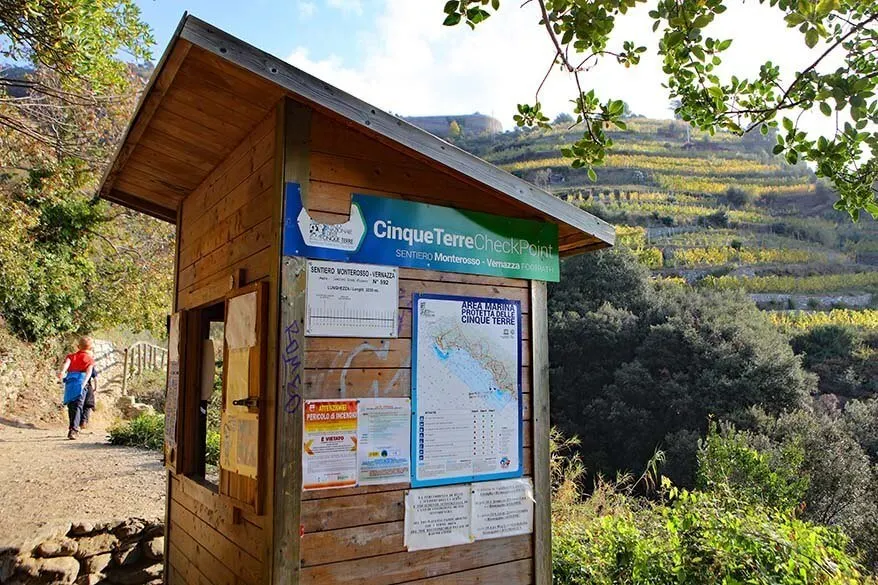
(437, 517)
(329, 450)
(351, 300)
(502, 508)
(383, 430)
(466, 390)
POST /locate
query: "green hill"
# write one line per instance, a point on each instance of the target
(718, 211)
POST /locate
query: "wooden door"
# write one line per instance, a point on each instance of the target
(242, 430)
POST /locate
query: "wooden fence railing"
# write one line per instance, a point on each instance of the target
(140, 357)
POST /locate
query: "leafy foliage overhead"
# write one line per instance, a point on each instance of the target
(69, 262)
(580, 34)
(77, 39)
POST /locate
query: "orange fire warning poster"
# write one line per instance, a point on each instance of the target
(329, 450)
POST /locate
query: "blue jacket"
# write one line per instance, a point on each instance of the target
(74, 386)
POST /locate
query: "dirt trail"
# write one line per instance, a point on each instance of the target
(46, 481)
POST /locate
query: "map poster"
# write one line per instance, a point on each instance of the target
(502, 508)
(329, 450)
(383, 452)
(437, 517)
(466, 389)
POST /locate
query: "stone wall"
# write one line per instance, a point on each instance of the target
(123, 552)
(813, 302)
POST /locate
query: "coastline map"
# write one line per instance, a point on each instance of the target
(466, 389)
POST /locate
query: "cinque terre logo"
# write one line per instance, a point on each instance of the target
(345, 236)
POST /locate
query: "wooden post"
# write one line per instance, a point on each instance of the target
(124, 370)
(540, 394)
(294, 127)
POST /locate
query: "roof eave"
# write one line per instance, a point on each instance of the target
(372, 119)
(106, 188)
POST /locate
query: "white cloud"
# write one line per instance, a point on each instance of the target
(412, 65)
(347, 6)
(306, 9)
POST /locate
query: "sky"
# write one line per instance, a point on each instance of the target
(397, 55)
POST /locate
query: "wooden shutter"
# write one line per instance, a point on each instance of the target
(242, 470)
(176, 359)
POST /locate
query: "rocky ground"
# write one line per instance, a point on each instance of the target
(48, 482)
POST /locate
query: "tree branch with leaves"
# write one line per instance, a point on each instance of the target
(579, 33)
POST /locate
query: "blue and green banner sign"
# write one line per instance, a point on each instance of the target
(418, 235)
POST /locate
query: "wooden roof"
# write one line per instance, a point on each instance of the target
(210, 89)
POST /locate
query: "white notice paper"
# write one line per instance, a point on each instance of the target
(437, 517)
(502, 508)
(383, 440)
(351, 300)
(241, 321)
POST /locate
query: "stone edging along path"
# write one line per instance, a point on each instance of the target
(121, 552)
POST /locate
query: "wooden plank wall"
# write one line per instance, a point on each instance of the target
(228, 224)
(355, 535)
(343, 160)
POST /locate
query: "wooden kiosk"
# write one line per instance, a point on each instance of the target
(344, 256)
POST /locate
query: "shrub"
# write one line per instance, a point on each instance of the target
(212, 451)
(737, 197)
(650, 257)
(861, 421)
(147, 431)
(717, 219)
(563, 119)
(841, 477)
(695, 537)
(727, 459)
(826, 342)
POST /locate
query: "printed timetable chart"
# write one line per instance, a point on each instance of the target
(350, 321)
(466, 390)
(351, 300)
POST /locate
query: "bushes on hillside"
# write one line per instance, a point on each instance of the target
(719, 534)
(634, 368)
(719, 255)
(805, 320)
(861, 421)
(823, 455)
(700, 537)
(737, 197)
(843, 358)
(830, 283)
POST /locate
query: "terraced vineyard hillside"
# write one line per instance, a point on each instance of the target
(713, 211)
(722, 212)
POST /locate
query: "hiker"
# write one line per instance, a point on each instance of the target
(75, 373)
(88, 406)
